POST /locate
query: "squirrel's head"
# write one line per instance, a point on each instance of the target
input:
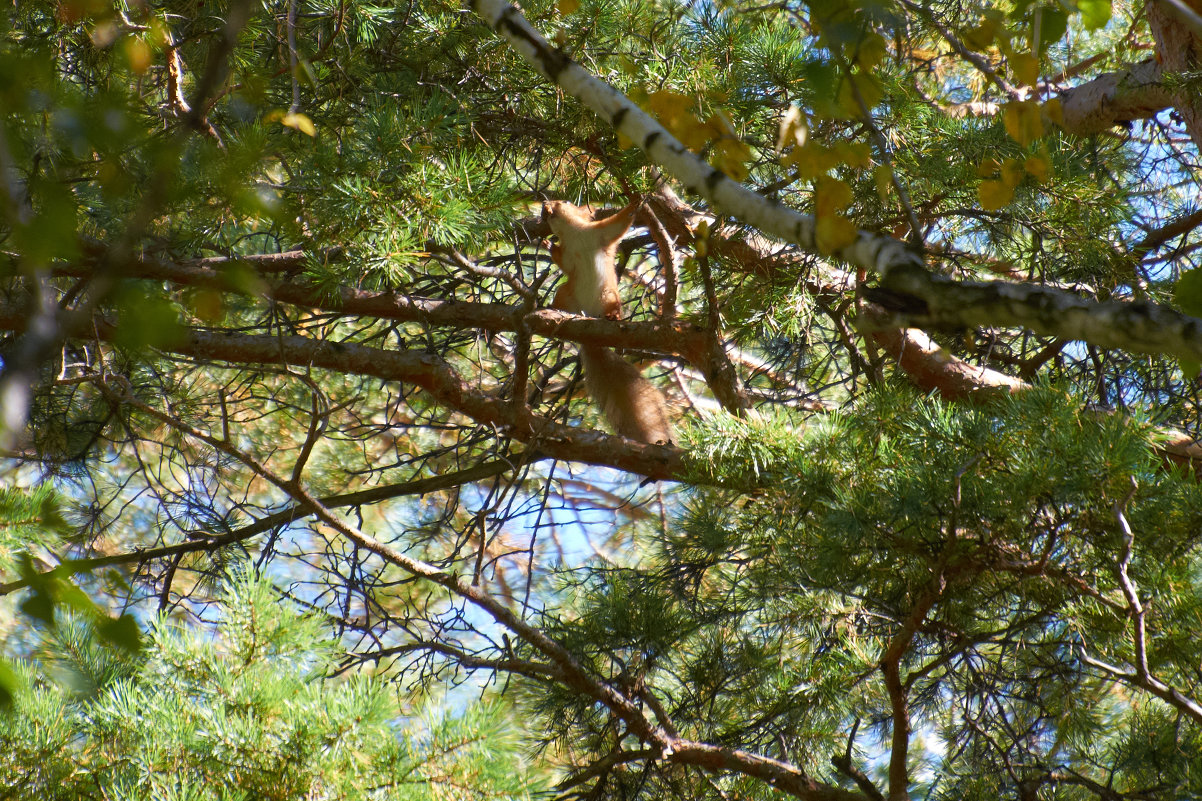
(563, 216)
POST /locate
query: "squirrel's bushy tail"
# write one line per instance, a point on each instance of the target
(629, 402)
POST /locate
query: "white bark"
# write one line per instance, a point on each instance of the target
(1140, 327)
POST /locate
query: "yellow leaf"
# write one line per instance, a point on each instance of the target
(624, 141)
(980, 37)
(853, 154)
(139, 55)
(811, 161)
(1023, 121)
(994, 194)
(883, 176)
(834, 232)
(1038, 167)
(737, 148)
(793, 129)
(870, 51)
(1025, 68)
(1011, 118)
(830, 196)
(1054, 111)
(988, 166)
(733, 168)
(868, 89)
(669, 106)
(691, 132)
(300, 122)
(731, 156)
(568, 7)
(1012, 172)
(720, 123)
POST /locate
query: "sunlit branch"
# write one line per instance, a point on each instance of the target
(929, 366)
(423, 369)
(672, 338)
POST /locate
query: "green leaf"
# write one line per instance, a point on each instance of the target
(146, 320)
(39, 606)
(122, 632)
(1053, 24)
(1188, 293)
(1189, 368)
(1094, 13)
(10, 682)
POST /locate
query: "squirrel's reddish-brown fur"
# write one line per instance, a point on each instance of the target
(585, 253)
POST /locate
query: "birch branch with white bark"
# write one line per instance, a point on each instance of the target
(1134, 326)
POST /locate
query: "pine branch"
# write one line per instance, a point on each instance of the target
(426, 370)
(668, 338)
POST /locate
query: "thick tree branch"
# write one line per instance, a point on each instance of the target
(1136, 93)
(1112, 98)
(670, 338)
(1178, 227)
(1179, 49)
(926, 300)
(426, 370)
(925, 363)
(930, 367)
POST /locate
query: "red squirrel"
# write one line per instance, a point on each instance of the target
(585, 253)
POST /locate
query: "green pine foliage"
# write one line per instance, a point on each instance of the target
(30, 520)
(983, 552)
(249, 709)
(989, 540)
